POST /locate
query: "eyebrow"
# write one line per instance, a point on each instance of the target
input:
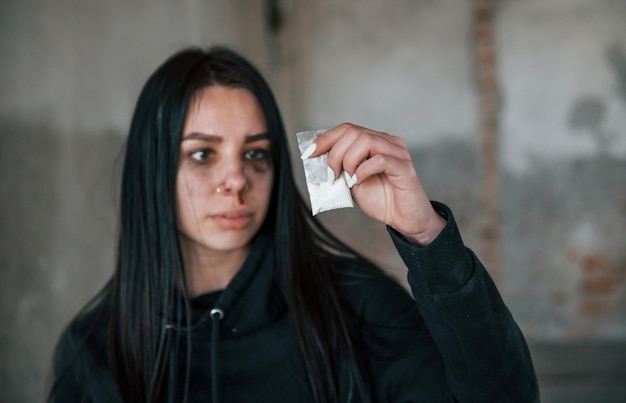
(218, 139)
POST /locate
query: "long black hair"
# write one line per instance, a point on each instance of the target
(141, 295)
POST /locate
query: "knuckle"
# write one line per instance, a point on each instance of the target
(380, 160)
(353, 131)
(399, 141)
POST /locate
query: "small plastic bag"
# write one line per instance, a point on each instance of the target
(324, 193)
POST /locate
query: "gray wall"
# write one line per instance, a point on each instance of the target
(71, 71)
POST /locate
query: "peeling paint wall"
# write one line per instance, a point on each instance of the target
(563, 69)
(71, 72)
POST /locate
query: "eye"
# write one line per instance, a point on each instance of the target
(201, 155)
(260, 159)
(257, 154)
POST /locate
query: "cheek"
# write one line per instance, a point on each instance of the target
(263, 183)
(191, 184)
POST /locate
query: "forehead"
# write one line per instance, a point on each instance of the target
(221, 110)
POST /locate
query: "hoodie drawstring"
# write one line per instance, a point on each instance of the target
(216, 315)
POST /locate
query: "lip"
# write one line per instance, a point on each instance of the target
(233, 220)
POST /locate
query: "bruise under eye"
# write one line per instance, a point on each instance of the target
(259, 159)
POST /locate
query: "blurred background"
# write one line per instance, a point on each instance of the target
(514, 111)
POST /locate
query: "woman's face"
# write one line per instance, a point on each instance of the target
(225, 173)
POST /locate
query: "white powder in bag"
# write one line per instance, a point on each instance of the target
(323, 194)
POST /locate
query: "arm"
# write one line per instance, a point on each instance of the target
(484, 352)
(486, 358)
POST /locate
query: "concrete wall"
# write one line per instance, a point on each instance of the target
(71, 72)
(563, 68)
(69, 77)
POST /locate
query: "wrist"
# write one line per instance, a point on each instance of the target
(433, 227)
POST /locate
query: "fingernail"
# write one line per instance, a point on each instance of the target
(347, 177)
(352, 181)
(309, 150)
(331, 175)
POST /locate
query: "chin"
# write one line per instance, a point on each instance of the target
(231, 242)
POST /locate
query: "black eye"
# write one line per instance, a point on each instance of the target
(257, 155)
(258, 158)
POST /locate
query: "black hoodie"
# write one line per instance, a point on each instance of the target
(455, 340)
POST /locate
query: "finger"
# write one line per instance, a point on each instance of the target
(328, 139)
(399, 171)
(365, 147)
(353, 144)
(324, 143)
(336, 155)
(348, 145)
(337, 142)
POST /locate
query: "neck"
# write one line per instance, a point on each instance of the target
(207, 271)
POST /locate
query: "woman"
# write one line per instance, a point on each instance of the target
(227, 290)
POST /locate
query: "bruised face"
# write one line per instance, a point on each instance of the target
(225, 174)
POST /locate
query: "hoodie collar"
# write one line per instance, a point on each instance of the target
(252, 298)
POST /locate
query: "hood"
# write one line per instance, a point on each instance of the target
(251, 300)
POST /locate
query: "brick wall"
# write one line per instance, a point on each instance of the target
(483, 15)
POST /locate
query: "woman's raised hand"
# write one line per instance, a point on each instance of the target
(384, 182)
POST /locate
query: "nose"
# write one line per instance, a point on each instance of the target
(232, 180)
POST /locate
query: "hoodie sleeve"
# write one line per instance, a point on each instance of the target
(484, 352)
